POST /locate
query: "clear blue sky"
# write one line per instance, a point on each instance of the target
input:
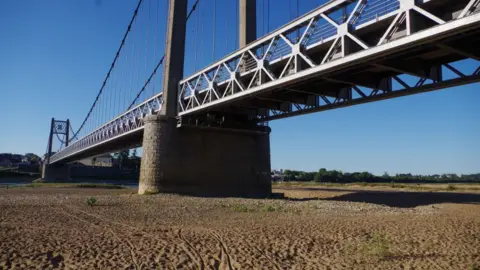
(54, 55)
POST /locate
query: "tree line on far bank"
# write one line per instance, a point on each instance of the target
(334, 176)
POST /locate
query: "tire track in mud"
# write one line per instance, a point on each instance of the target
(201, 263)
(131, 249)
(130, 246)
(133, 229)
(225, 255)
(106, 220)
(267, 257)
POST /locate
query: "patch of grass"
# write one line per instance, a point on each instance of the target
(396, 185)
(451, 187)
(241, 208)
(271, 208)
(70, 185)
(23, 186)
(377, 246)
(91, 201)
(295, 183)
(148, 193)
(107, 186)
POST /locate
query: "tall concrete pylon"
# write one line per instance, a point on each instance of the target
(159, 129)
(200, 161)
(247, 22)
(174, 55)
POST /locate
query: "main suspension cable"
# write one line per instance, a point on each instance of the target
(155, 42)
(214, 27)
(158, 65)
(147, 82)
(111, 66)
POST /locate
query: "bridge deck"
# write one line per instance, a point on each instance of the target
(123, 132)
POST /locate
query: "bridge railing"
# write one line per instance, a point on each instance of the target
(287, 46)
(126, 123)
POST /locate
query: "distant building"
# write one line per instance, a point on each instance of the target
(99, 161)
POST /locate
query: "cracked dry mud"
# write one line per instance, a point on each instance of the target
(47, 228)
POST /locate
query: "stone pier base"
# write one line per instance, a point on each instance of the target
(55, 172)
(204, 162)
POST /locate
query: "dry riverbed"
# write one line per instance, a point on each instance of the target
(314, 228)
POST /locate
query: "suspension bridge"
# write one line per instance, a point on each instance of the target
(208, 132)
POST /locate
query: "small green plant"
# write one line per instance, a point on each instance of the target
(91, 201)
(148, 193)
(379, 246)
(451, 187)
(271, 208)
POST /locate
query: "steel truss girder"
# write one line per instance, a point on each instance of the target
(286, 51)
(376, 94)
(126, 123)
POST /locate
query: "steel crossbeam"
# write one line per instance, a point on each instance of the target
(365, 95)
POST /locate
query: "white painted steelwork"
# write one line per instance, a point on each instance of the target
(126, 123)
(284, 57)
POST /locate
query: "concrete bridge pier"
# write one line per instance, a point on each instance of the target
(55, 172)
(204, 162)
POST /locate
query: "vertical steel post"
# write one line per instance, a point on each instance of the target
(67, 133)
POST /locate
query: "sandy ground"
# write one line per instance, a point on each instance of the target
(44, 228)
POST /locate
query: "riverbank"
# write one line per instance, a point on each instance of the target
(310, 229)
(18, 176)
(18, 182)
(452, 186)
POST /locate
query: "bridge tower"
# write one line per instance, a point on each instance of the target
(231, 158)
(53, 172)
(248, 22)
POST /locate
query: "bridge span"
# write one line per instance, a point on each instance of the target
(320, 62)
(207, 132)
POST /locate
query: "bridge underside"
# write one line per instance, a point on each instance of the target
(337, 71)
(126, 141)
(426, 67)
